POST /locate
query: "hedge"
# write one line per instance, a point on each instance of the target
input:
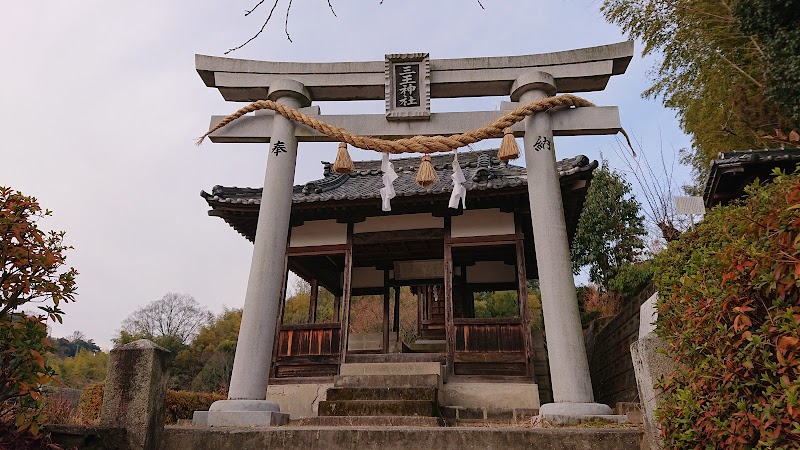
(179, 404)
(729, 310)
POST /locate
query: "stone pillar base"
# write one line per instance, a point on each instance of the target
(574, 409)
(241, 413)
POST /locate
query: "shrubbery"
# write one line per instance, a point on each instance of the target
(178, 404)
(32, 275)
(183, 404)
(729, 310)
(91, 402)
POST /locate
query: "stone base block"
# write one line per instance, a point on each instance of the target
(200, 419)
(553, 419)
(246, 419)
(575, 409)
(505, 396)
(241, 413)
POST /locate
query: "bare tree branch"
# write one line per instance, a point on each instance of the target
(331, 7)
(247, 13)
(286, 22)
(259, 31)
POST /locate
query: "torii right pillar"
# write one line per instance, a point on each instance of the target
(569, 367)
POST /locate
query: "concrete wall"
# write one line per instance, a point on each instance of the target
(319, 232)
(491, 272)
(482, 222)
(298, 400)
(368, 341)
(364, 277)
(610, 363)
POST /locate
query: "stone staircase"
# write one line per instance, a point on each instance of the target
(382, 394)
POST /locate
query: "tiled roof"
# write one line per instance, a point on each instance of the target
(732, 171)
(482, 170)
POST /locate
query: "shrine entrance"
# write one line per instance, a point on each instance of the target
(397, 303)
(469, 226)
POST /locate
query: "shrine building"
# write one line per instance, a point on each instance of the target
(345, 246)
(406, 256)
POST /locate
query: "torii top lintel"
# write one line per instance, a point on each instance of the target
(580, 70)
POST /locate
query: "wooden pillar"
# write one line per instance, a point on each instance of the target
(396, 325)
(385, 311)
(348, 269)
(276, 342)
(524, 311)
(312, 301)
(450, 331)
(337, 303)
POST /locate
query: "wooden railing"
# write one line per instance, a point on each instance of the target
(308, 350)
(490, 347)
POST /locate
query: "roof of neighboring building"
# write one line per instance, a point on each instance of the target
(482, 170)
(732, 171)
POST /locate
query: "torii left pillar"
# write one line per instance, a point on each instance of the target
(247, 404)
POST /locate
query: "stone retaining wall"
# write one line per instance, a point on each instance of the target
(613, 378)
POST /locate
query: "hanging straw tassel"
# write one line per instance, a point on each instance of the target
(343, 163)
(508, 148)
(426, 176)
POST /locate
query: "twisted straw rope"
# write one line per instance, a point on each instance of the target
(416, 144)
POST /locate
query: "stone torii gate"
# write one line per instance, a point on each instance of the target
(523, 78)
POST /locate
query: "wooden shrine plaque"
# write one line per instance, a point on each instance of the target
(408, 81)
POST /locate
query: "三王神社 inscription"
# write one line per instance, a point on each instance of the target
(407, 79)
(408, 86)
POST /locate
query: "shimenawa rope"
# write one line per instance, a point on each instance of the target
(416, 144)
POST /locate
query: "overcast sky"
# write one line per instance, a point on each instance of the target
(100, 105)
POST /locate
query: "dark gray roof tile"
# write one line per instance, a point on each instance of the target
(481, 169)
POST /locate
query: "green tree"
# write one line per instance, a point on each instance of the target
(32, 273)
(610, 230)
(776, 23)
(72, 344)
(82, 369)
(711, 72)
(206, 364)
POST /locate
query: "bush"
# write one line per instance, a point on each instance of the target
(183, 404)
(91, 402)
(729, 310)
(32, 274)
(179, 404)
(631, 279)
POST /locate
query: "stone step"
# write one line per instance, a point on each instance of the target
(401, 438)
(391, 368)
(632, 410)
(462, 413)
(368, 421)
(378, 408)
(428, 345)
(384, 381)
(373, 393)
(562, 420)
